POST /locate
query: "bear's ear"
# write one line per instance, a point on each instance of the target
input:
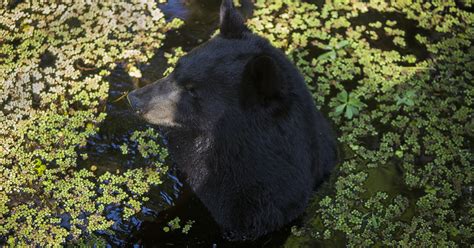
(261, 81)
(232, 24)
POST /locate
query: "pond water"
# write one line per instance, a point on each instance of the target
(173, 198)
(406, 153)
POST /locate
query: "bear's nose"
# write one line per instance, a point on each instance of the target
(135, 102)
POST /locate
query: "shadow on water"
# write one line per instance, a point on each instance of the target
(172, 198)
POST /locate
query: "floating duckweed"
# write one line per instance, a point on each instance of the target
(53, 62)
(175, 224)
(407, 158)
(172, 59)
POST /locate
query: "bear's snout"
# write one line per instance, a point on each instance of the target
(157, 102)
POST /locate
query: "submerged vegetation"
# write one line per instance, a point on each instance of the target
(395, 77)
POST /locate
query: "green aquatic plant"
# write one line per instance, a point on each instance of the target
(406, 174)
(406, 99)
(39, 166)
(332, 51)
(54, 59)
(407, 157)
(175, 224)
(348, 104)
(172, 59)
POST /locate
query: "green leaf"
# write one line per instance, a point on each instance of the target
(328, 47)
(342, 97)
(410, 94)
(327, 55)
(430, 190)
(399, 153)
(339, 109)
(39, 166)
(11, 242)
(349, 112)
(355, 101)
(342, 44)
(355, 111)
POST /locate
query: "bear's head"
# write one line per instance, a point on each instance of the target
(236, 72)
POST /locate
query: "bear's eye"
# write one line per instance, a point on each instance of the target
(191, 91)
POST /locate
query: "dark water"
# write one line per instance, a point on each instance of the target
(173, 198)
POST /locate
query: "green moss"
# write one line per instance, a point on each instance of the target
(407, 161)
(53, 62)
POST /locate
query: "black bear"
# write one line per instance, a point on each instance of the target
(243, 128)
